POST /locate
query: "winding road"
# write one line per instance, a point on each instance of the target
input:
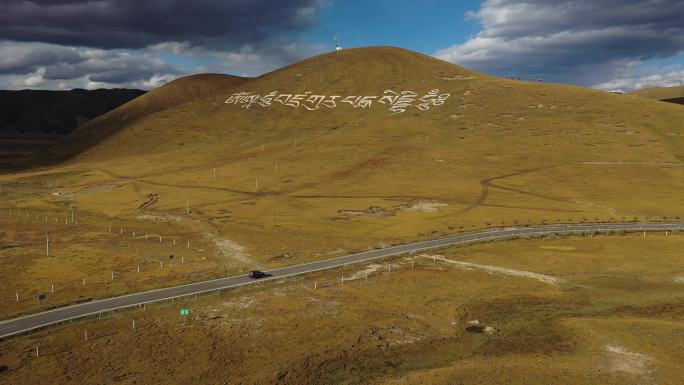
(39, 320)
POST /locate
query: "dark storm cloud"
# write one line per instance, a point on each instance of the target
(138, 23)
(583, 41)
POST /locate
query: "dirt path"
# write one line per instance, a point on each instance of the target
(228, 249)
(499, 270)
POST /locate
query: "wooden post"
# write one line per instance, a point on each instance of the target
(187, 207)
(47, 244)
(85, 335)
(17, 297)
(138, 268)
(52, 288)
(188, 245)
(315, 285)
(214, 174)
(36, 350)
(133, 324)
(84, 281)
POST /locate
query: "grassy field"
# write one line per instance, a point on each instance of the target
(267, 187)
(661, 93)
(613, 313)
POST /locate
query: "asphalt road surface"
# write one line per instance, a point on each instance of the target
(39, 320)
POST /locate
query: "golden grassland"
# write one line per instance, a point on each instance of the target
(294, 185)
(615, 316)
(660, 93)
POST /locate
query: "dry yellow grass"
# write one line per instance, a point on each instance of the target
(617, 318)
(294, 185)
(660, 93)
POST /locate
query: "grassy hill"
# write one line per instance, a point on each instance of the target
(171, 94)
(270, 186)
(32, 121)
(661, 93)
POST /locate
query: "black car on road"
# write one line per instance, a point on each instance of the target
(256, 274)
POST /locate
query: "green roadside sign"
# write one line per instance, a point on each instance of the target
(185, 312)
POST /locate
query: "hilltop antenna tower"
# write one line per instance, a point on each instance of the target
(336, 38)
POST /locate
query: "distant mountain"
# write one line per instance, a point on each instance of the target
(57, 112)
(675, 100)
(666, 94)
(33, 122)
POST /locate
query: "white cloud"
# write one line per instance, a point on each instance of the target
(578, 41)
(35, 79)
(636, 82)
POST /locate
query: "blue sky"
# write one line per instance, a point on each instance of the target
(616, 45)
(425, 26)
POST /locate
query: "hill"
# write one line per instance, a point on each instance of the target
(33, 121)
(176, 92)
(661, 93)
(347, 151)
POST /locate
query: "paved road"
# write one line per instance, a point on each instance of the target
(39, 320)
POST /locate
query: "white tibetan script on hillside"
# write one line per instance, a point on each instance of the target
(395, 101)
